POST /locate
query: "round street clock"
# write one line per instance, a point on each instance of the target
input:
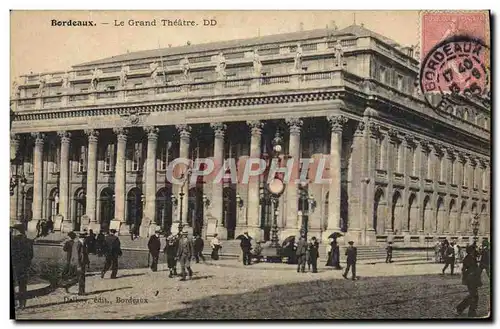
(276, 186)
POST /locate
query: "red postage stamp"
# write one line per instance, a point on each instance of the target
(455, 62)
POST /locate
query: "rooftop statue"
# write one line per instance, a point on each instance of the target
(257, 64)
(297, 65)
(221, 66)
(65, 81)
(154, 71)
(185, 65)
(339, 53)
(123, 76)
(96, 74)
(41, 86)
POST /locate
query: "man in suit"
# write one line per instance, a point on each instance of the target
(471, 277)
(199, 244)
(185, 252)
(301, 253)
(352, 254)
(449, 257)
(246, 247)
(67, 248)
(113, 251)
(314, 254)
(154, 246)
(388, 249)
(21, 256)
(171, 252)
(77, 263)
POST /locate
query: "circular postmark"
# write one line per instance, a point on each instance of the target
(454, 71)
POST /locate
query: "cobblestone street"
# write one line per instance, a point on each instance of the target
(227, 290)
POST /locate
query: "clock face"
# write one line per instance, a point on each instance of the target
(276, 186)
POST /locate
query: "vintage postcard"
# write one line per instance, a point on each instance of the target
(179, 165)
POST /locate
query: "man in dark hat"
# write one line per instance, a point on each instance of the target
(301, 253)
(22, 254)
(246, 247)
(449, 257)
(484, 261)
(388, 249)
(314, 254)
(185, 252)
(77, 263)
(471, 277)
(154, 246)
(199, 244)
(352, 254)
(113, 251)
(171, 252)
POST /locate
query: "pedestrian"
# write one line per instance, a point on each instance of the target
(67, 248)
(154, 245)
(314, 254)
(335, 254)
(90, 242)
(78, 264)
(100, 244)
(215, 244)
(388, 249)
(437, 252)
(132, 232)
(113, 251)
(199, 244)
(171, 252)
(484, 261)
(449, 257)
(301, 253)
(185, 252)
(352, 254)
(83, 237)
(22, 255)
(471, 277)
(246, 246)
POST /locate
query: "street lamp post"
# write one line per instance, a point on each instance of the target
(175, 203)
(276, 187)
(186, 177)
(23, 182)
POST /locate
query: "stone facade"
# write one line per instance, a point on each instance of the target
(94, 143)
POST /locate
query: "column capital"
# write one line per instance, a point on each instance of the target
(14, 137)
(484, 163)
(360, 128)
(409, 140)
(393, 135)
(424, 145)
(219, 129)
(437, 149)
(450, 153)
(294, 124)
(461, 157)
(65, 136)
(152, 133)
(337, 122)
(471, 159)
(121, 134)
(255, 127)
(39, 138)
(184, 131)
(374, 129)
(93, 135)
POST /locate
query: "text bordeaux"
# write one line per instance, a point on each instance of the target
(71, 22)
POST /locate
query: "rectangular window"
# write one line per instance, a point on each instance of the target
(429, 165)
(137, 157)
(400, 82)
(82, 159)
(166, 155)
(109, 156)
(383, 72)
(452, 170)
(28, 161)
(395, 158)
(464, 174)
(414, 162)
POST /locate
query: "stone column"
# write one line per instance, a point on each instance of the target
(337, 123)
(217, 188)
(408, 143)
(14, 198)
(436, 224)
(374, 152)
(37, 180)
(423, 151)
(121, 137)
(150, 186)
(91, 190)
(471, 164)
(392, 163)
(291, 206)
(185, 138)
(64, 180)
(253, 213)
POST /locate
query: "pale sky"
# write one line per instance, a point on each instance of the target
(39, 47)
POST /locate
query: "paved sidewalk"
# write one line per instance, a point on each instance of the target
(228, 290)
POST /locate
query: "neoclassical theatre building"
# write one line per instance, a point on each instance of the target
(90, 146)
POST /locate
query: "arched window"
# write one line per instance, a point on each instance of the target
(109, 157)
